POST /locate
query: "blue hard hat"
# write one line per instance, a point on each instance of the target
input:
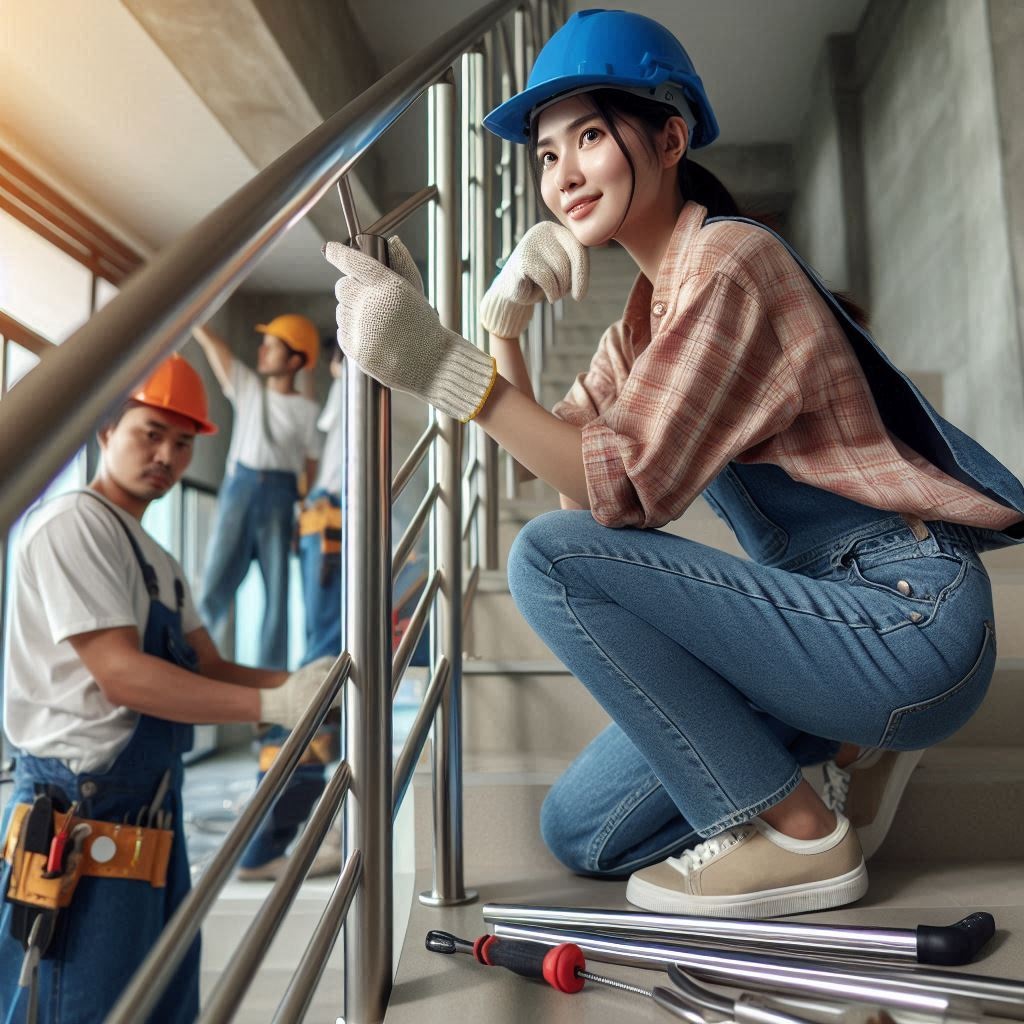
(608, 49)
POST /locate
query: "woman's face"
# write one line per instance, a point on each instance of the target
(585, 180)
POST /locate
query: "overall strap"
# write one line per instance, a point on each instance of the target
(148, 572)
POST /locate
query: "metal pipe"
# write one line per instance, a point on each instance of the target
(413, 632)
(448, 887)
(914, 990)
(151, 979)
(413, 531)
(467, 600)
(367, 596)
(405, 209)
(410, 755)
(226, 998)
(895, 944)
(292, 1009)
(470, 516)
(412, 463)
(181, 285)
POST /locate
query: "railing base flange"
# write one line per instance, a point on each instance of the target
(429, 898)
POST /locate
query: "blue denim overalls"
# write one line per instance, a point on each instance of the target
(724, 675)
(112, 924)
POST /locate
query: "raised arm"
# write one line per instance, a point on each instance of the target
(218, 353)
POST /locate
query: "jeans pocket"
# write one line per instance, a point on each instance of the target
(930, 721)
(918, 580)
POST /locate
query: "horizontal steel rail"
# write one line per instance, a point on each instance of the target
(149, 982)
(299, 993)
(225, 1000)
(414, 742)
(413, 531)
(186, 281)
(401, 213)
(413, 632)
(413, 461)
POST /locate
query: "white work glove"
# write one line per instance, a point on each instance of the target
(386, 326)
(549, 262)
(287, 703)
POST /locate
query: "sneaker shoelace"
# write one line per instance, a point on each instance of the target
(837, 786)
(690, 860)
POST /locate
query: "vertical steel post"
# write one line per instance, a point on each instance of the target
(446, 548)
(367, 616)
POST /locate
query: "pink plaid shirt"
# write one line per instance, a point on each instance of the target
(733, 355)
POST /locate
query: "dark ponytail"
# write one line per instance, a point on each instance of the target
(696, 183)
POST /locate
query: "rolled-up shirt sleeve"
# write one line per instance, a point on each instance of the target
(713, 382)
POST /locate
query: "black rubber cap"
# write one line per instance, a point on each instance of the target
(954, 944)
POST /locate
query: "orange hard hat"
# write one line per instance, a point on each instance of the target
(297, 332)
(176, 387)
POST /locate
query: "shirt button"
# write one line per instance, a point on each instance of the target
(658, 309)
(904, 588)
(88, 788)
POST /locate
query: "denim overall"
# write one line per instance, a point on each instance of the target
(112, 924)
(724, 675)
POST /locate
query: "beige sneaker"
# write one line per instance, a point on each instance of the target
(868, 791)
(327, 862)
(755, 871)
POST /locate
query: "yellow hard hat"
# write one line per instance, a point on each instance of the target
(176, 387)
(298, 333)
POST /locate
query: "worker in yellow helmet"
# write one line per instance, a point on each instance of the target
(109, 668)
(275, 440)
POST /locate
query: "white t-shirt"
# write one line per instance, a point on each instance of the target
(291, 418)
(75, 572)
(332, 424)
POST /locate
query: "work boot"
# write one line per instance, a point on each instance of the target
(755, 871)
(868, 791)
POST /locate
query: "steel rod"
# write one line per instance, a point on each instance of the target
(418, 622)
(413, 531)
(151, 979)
(225, 1000)
(467, 598)
(413, 461)
(410, 755)
(299, 994)
(401, 213)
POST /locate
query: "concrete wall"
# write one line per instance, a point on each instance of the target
(941, 277)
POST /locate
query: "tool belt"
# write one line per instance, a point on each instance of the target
(322, 517)
(322, 749)
(124, 851)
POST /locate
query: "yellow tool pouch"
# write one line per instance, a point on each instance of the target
(109, 851)
(322, 517)
(322, 749)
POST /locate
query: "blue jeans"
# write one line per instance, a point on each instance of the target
(254, 520)
(722, 676)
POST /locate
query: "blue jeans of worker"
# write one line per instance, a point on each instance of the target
(723, 676)
(254, 520)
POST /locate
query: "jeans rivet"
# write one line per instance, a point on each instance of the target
(88, 788)
(904, 588)
(916, 616)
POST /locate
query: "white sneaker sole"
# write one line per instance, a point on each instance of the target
(872, 836)
(790, 899)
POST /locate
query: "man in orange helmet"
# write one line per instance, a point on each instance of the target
(274, 440)
(109, 668)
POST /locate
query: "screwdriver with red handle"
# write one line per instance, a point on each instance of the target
(563, 967)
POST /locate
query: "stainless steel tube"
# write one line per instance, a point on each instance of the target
(149, 981)
(894, 944)
(413, 531)
(92, 371)
(300, 991)
(405, 209)
(412, 462)
(367, 598)
(406, 763)
(911, 989)
(448, 887)
(225, 1000)
(413, 632)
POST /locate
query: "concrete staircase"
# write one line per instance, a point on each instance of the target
(959, 841)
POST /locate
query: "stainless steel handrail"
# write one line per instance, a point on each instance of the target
(413, 632)
(413, 461)
(91, 372)
(413, 531)
(225, 1000)
(149, 982)
(406, 763)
